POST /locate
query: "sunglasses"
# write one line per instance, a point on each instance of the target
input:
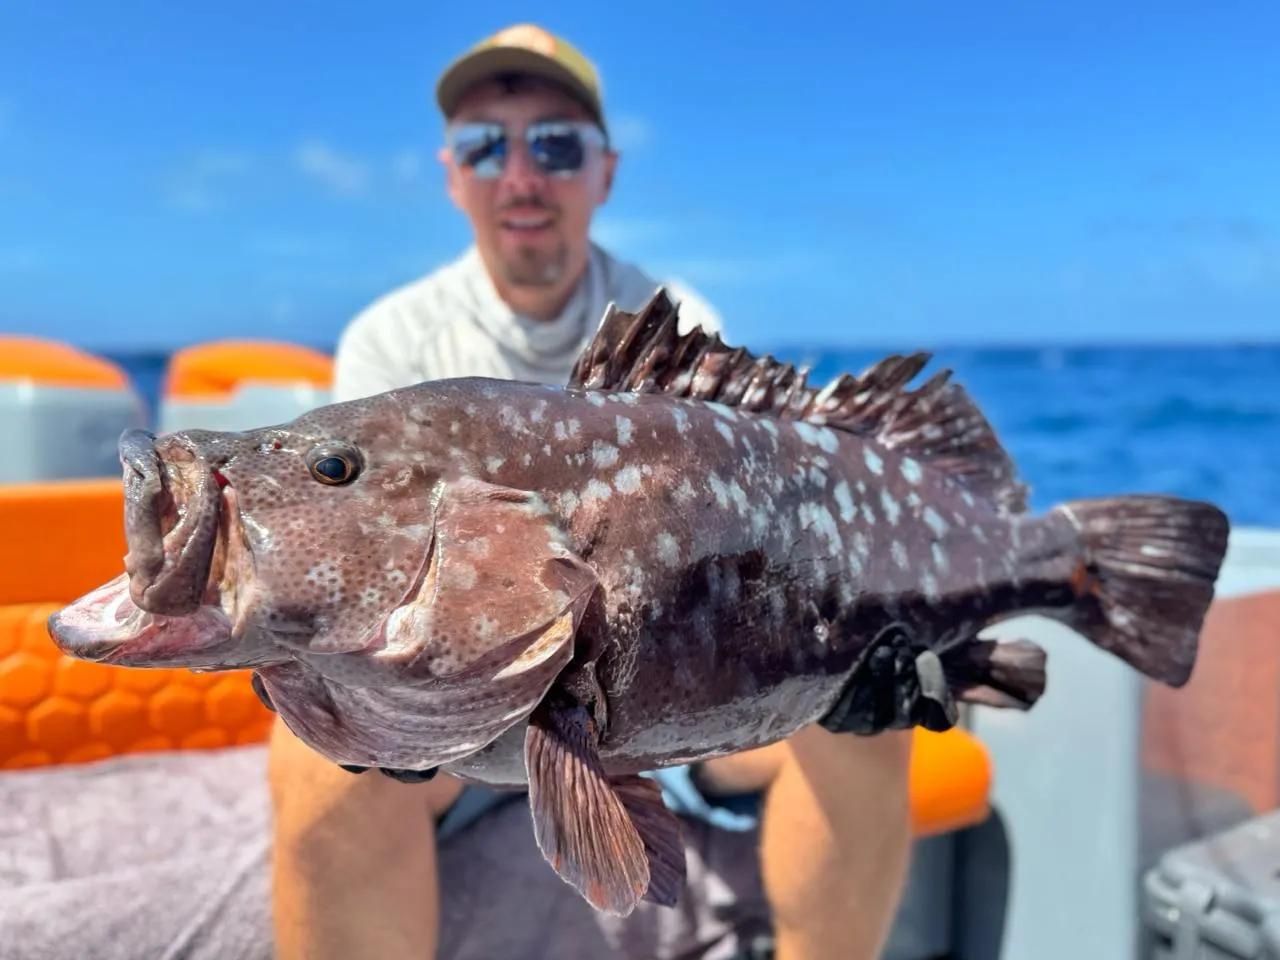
(558, 147)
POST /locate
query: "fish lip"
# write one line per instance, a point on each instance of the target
(171, 538)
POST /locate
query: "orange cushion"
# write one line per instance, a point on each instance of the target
(51, 363)
(216, 369)
(65, 538)
(950, 781)
(56, 709)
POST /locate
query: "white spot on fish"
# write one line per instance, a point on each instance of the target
(819, 517)
(899, 554)
(719, 408)
(603, 454)
(913, 500)
(739, 498)
(940, 558)
(627, 480)
(596, 491)
(681, 418)
(767, 426)
(720, 490)
(546, 449)
(510, 418)
(462, 574)
(526, 460)
(569, 502)
(495, 463)
(817, 477)
(868, 514)
(845, 502)
(967, 497)
(935, 522)
(855, 564)
(595, 399)
(929, 583)
(874, 463)
(668, 550)
(911, 471)
(759, 521)
(624, 430)
(537, 412)
(892, 509)
(455, 427)
(725, 431)
(685, 492)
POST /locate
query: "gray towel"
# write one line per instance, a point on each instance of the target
(166, 856)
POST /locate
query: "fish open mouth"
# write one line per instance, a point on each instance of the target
(177, 603)
(172, 507)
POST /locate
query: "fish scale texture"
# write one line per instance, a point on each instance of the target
(54, 709)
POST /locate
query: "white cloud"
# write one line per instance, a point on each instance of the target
(630, 131)
(340, 174)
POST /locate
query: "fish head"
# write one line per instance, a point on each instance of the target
(356, 561)
(247, 547)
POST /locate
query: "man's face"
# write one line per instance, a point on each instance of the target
(530, 227)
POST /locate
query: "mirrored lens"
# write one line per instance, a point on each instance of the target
(557, 149)
(480, 146)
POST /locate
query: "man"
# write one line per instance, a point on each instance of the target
(358, 872)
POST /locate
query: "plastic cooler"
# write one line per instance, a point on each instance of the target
(242, 384)
(1219, 898)
(61, 411)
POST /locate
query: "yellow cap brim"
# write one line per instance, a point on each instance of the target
(476, 67)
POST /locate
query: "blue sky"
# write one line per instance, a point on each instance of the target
(907, 173)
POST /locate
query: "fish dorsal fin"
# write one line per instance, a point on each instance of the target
(936, 423)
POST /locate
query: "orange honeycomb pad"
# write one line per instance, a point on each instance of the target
(56, 709)
(65, 537)
(950, 781)
(216, 369)
(50, 363)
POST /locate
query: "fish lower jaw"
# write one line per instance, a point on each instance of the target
(106, 626)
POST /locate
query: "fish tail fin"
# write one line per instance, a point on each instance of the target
(1144, 578)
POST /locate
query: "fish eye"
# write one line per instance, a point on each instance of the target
(333, 465)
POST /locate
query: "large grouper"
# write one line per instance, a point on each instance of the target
(685, 552)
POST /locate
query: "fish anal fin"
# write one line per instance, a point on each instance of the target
(580, 821)
(936, 423)
(1008, 674)
(660, 831)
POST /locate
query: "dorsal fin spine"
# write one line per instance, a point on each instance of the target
(935, 423)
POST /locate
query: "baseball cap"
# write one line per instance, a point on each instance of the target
(523, 48)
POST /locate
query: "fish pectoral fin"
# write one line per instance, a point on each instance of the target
(899, 683)
(1006, 674)
(611, 840)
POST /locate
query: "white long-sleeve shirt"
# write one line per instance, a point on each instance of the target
(452, 323)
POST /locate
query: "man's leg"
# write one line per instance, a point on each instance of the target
(835, 837)
(354, 866)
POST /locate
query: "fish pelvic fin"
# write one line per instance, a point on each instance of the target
(1145, 577)
(611, 839)
(936, 423)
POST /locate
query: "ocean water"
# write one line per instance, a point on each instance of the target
(1200, 422)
